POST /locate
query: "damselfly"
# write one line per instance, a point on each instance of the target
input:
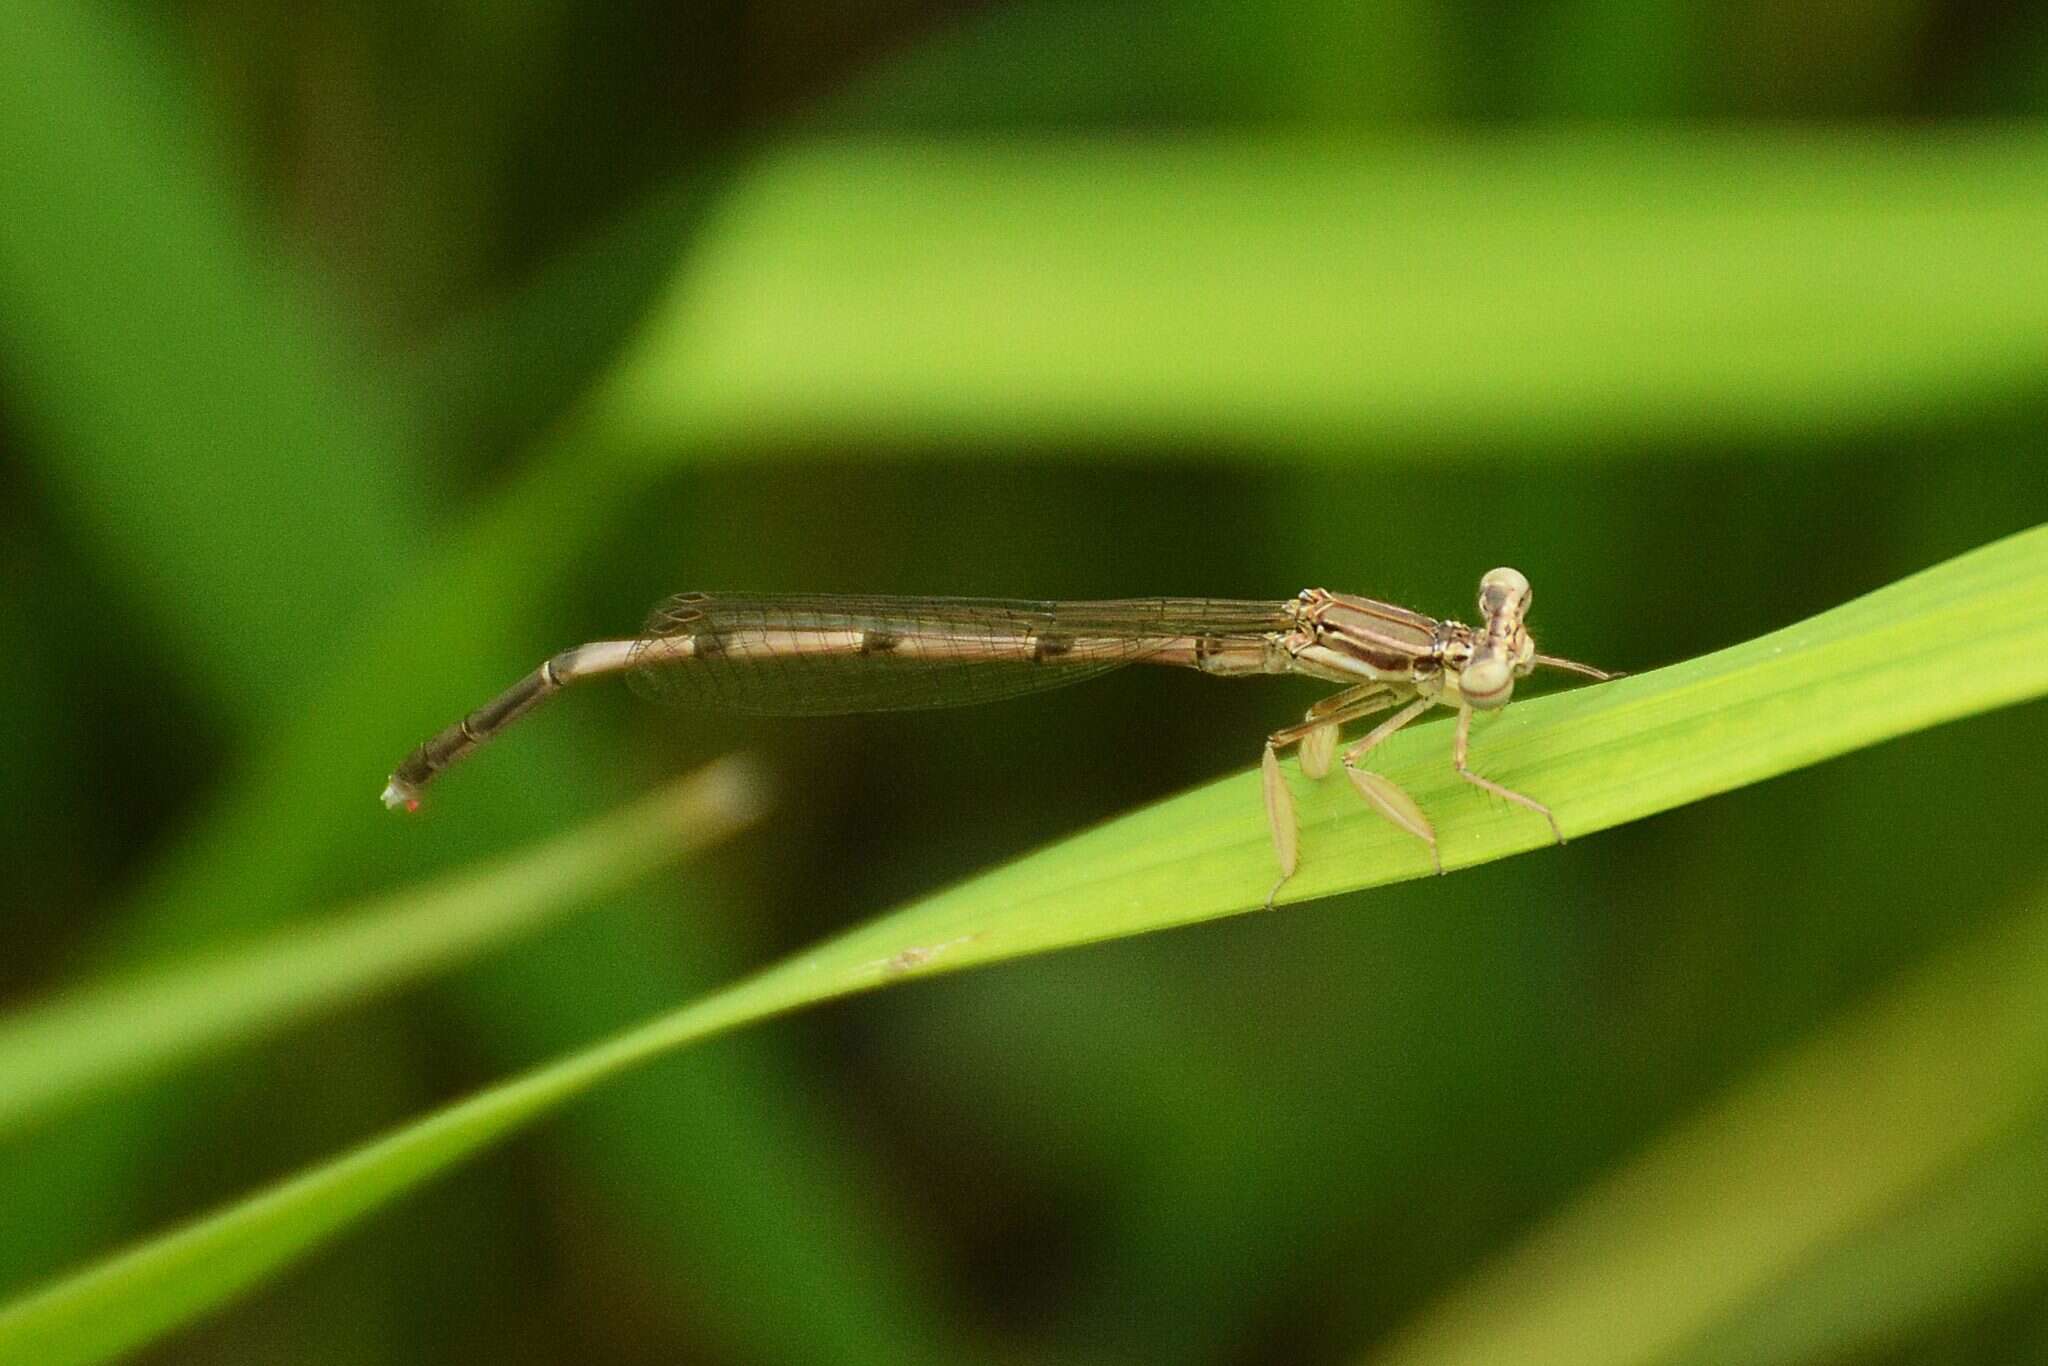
(796, 655)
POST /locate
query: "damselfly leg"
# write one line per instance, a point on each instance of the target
(1461, 742)
(1316, 737)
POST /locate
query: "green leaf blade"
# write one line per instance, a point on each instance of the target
(1872, 669)
(96, 1037)
(1304, 299)
(1825, 1139)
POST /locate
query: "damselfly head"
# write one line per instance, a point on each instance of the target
(1504, 651)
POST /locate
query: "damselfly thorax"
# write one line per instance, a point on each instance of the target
(795, 654)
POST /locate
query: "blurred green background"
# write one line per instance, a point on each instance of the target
(353, 357)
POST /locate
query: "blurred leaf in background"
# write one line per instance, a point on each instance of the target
(352, 357)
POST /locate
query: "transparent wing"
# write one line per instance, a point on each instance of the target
(796, 655)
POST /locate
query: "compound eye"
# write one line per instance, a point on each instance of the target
(1503, 589)
(1488, 681)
